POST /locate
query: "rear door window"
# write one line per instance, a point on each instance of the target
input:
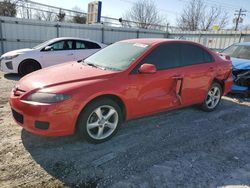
(193, 54)
(92, 45)
(79, 45)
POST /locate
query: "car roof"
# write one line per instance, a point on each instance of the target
(151, 41)
(243, 44)
(74, 38)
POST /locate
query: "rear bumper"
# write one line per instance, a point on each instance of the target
(228, 85)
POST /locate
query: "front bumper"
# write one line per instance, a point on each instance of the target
(240, 89)
(241, 81)
(56, 119)
(8, 66)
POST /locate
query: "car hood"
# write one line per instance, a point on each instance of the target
(62, 74)
(241, 64)
(20, 51)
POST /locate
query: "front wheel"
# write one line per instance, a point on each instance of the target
(28, 66)
(213, 98)
(99, 121)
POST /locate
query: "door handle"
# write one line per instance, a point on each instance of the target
(70, 54)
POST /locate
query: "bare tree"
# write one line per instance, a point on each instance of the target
(24, 9)
(143, 14)
(214, 16)
(198, 16)
(79, 16)
(45, 15)
(60, 16)
(8, 8)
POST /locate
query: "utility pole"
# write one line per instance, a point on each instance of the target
(239, 19)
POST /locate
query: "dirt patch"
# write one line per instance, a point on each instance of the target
(181, 148)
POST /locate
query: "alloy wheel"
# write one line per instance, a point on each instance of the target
(102, 122)
(213, 97)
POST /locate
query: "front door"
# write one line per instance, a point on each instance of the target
(161, 90)
(61, 52)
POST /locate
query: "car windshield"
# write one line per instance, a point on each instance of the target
(118, 56)
(43, 44)
(238, 51)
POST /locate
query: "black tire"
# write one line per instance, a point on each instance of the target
(205, 105)
(88, 113)
(28, 66)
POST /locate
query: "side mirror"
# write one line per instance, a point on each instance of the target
(147, 69)
(48, 48)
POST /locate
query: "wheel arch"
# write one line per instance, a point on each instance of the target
(25, 60)
(113, 97)
(221, 82)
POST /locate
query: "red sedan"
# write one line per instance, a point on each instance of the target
(126, 80)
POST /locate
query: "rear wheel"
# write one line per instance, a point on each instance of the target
(213, 97)
(100, 121)
(28, 66)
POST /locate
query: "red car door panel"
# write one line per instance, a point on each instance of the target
(198, 69)
(196, 80)
(153, 92)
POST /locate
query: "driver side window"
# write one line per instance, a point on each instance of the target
(164, 56)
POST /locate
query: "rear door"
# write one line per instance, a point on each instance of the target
(83, 49)
(159, 91)
(198, 70)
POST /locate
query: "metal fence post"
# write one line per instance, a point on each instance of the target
(1, 37)
(167, 31)
(57, 30)
(199, 39)
(137, 33)
(240, 37)
(102, 33)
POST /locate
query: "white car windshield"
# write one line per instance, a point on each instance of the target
(46, 43)
(118, 56)
(238, 51)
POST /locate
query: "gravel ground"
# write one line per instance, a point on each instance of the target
(181, 148)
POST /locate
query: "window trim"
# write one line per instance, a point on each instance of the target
(43, 50)
(85, 41)
(135, 70)
(204, 50)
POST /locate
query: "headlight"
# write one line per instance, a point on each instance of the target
(10, 57)
(47, 97)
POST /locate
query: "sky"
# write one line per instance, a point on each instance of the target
(169, 9)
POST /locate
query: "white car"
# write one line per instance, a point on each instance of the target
(52, 52)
